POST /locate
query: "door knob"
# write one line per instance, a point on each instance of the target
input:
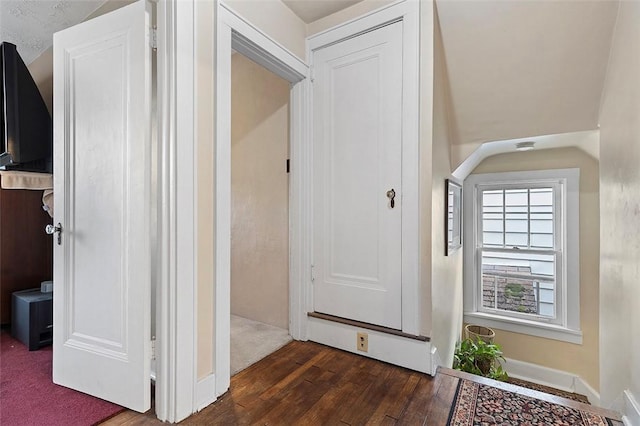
(391, 195)
(57, 229)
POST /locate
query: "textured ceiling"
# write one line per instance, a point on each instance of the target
(312, 10)
(30, 24)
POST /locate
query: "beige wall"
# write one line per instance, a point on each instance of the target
(446, 271)
(259, 193)
(620, 212)
(275, 19)
(581, 360)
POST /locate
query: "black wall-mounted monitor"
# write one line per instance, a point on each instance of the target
(26, 139)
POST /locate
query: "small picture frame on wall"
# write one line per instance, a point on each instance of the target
(453, 216)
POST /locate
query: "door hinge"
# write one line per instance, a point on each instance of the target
(288, 166)
(153, 348)
(313, 276)
(153, 38)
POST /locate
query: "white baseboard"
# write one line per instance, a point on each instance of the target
(551, 377)
(405, 352)
(631, 410)
(205, 392)
(583, 388)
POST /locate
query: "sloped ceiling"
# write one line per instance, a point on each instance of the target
(30, 24)
(524, 68)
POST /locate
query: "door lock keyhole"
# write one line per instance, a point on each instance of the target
(391, 195)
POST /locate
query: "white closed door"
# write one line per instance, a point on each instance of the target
(357, 143)
(101, 343)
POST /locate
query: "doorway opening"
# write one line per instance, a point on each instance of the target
(259, 212)
(233, 33)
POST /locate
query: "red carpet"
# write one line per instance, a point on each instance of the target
(29, 397)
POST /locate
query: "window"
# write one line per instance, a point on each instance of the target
(521, 262)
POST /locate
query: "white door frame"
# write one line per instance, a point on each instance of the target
(233, 31)
(176, 344)
(409, 13)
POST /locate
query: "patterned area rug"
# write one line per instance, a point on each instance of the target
(480, 405)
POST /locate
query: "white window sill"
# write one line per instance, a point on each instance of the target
(533, 328)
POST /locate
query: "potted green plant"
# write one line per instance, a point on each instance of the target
(481, 358)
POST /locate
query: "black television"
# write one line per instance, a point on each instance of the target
(26, 139)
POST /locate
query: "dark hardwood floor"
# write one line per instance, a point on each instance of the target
(305, 383)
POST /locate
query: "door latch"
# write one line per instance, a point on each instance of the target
(391, 195)
(50, 229)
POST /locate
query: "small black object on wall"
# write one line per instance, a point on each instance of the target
(453, 216)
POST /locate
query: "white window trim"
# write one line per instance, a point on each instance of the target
(557, 252)
(569, 328)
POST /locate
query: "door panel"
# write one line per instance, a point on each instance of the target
(102, 196)
(357, 94)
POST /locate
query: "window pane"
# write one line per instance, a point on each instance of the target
(542, 241)
(542, 216)
(493, 209)
(492, 225)
(524, 215)
(516, 197)
(518, 282)
(541, 196)
(541, 209)
(516, 225)
(516, 216)
(541, 226)
(492, 216)
(536, 264)
(512, 208)
(493, 238)
(513, 239)
(546, 310)
(492, 198)
(542, 267)
(546, 295)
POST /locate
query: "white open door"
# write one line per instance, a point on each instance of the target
(102, 177)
